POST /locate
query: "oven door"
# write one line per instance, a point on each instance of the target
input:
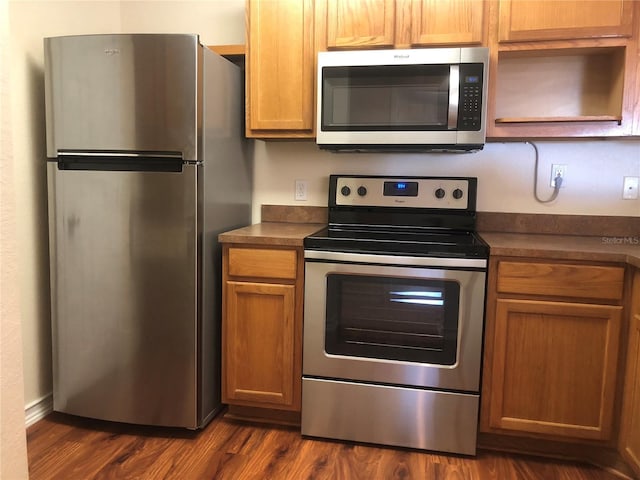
(394, 320)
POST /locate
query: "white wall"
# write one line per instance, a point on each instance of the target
(505, 171)
(218, 22)
(593, 185)
(13, 444)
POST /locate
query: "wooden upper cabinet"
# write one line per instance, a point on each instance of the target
(563, 69)
(436, 22)
(358, 23)
(354, 24)
(530, 20)
(636, 94)
(280, 69)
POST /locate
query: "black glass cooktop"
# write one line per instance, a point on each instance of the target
(398, 241)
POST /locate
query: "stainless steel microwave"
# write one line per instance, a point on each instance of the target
(430, 99)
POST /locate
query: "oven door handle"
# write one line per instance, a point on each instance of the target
(323, 255)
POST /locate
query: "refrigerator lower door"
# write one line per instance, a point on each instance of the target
(124, 270)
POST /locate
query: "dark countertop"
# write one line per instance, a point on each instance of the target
(565, 247)
(271, 233)
(562, 247)
(562, 237)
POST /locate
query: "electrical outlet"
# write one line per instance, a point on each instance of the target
(558, 171)
(630, 188)
(301, 190)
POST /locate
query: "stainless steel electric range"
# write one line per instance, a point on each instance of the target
(394, 312)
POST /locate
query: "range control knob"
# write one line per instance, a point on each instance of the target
(362, 191)
(457, 194)
(346, 191)
(440, 193)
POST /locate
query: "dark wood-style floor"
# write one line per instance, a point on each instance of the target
(69, 448)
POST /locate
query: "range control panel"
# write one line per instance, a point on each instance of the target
(411, 192)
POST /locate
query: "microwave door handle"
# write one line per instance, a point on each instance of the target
(454, 96)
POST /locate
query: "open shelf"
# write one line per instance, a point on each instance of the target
(233, 53)
(564, 85)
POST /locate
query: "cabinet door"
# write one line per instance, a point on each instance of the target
(258, 345)
(525, 20)
(636, 94)
(554, 368)
(279, 76)
(630, 437)
(360, 23)
(434, 22)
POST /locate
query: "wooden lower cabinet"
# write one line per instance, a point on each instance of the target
(554, 368)
(261, 329)
(630, 422)
(259, 343)
(553, 352)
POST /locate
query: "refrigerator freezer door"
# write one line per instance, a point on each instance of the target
(122, 92)
(124, 275)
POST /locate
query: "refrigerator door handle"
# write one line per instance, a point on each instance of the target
(120, 162)
(119, 153)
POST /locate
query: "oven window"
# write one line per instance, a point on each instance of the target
(405, 319)
(392, 97)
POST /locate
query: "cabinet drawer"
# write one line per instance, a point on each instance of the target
(563, 280)
(262, 262)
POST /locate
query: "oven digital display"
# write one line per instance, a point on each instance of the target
(400, 189)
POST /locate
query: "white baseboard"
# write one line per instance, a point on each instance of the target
(38, 409)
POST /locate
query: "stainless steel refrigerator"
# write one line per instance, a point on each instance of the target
(146, 166)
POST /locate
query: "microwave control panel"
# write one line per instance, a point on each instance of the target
(470, 105)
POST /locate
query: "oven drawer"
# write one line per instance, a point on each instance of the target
(389, 415)
(562, 280)
(262, 263)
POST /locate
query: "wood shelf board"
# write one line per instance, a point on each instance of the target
(532, 50)
(226, 50)
(582, 118)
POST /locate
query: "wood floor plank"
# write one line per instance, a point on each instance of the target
(69, 448)
(144, 458)
(246, 439)
(47, 435)
(280, 448)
